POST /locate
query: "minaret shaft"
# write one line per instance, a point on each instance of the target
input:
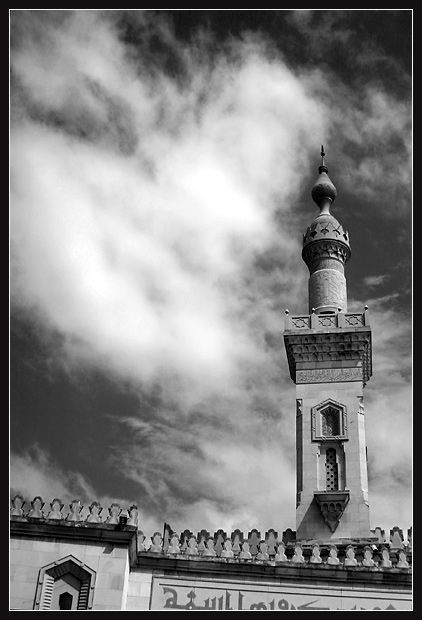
(329, 356)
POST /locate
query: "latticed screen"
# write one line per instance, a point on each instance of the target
(330, 422)
(331, 470)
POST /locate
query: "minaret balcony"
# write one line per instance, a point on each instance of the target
(342, 320)
(329, 347)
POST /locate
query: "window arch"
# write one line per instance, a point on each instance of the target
(65, 584)
(329, 421)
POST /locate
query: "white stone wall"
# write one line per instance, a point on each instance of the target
(28, 556)
(327, 290)
(139, 590)
(355, 520)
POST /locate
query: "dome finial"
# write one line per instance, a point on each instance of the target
(324, 192)
(323, 167)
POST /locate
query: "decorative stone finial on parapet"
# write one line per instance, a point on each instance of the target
(280, 555)
(36, 510)
(263, 552)
(332, 558)
(367, 560)
(174, 547)
(227, 552)
(133, 515)
(56, 509)
(245, 554)
(298, 555)
(95, 510)
(202, 538)
(192, 548)
(237, 540)
(219, 538)
(75, 511)
(271, 538)
(254, 538)
(209, 549)
(114, 513)
(396, 538)
(350, 559)
(17, 506)
(386, 562)
(315, 557)
(157, 543)
(402, 563)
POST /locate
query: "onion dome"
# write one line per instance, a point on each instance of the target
(324, 191)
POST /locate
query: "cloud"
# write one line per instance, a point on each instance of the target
(37, 474)
(388, 414)
(374, 281)
(143, 258)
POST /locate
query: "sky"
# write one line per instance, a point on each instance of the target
(161, 167)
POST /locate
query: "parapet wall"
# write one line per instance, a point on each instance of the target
(391, 550)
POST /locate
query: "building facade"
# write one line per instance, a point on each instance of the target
(86, 558)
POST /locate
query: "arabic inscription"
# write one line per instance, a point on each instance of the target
(180, 594)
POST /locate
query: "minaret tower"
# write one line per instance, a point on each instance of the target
(330, 360)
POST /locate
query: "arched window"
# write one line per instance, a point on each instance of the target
(331, 470)
(65, 600)
(330, 422)
(65, 584)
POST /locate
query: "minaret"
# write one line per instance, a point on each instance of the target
(330, 360)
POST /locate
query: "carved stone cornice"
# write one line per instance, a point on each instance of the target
(326, 248)
(335, 346)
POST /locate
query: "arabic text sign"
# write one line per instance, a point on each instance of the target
(175, 594)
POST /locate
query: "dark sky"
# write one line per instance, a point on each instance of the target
(160, 175)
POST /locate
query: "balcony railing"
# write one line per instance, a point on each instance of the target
(327, 321)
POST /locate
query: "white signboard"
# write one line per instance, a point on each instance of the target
(175, 594)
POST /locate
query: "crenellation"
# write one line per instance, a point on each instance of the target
(36, 510)
(219, 539)
(114, 513)
(396, 538)
(17, 506)
(271, 539)
(340, 320)
(75, 511)
(221, 546)
(56, 509)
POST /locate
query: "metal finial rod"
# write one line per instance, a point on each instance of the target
(322, 155)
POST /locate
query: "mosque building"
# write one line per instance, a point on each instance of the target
(89, 558)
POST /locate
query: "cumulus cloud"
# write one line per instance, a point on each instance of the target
(143, 259)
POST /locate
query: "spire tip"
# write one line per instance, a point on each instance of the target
(323, 167)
